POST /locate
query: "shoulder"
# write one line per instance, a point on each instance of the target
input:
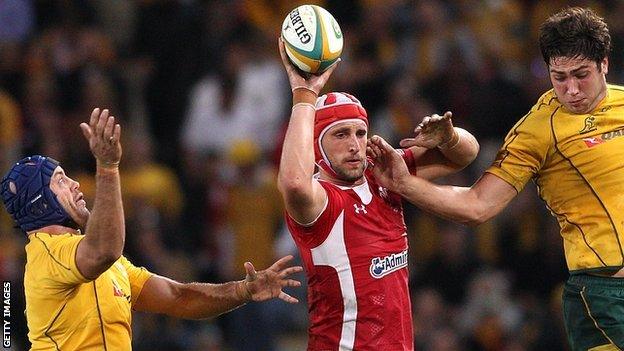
(41, 240)
(537, 121)
(543, 109)
(547, 102)
(331, 189)
(616, 93)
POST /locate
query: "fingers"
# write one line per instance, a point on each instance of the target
(407, 142)
(282, 51)
(251, 271)
(290, 270)
(290, 283)
(281, 263)
(94, 117)
(290, 69)
(432, 119)
(426, 120)
(117, 133)
(108, 128)
(369, 149)
(330, 70)
(101, 124)
(86, 130)
(381, 144)
(284, 296)
(375, 150)
(371, 153)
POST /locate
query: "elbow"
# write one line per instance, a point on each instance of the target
(107, 258)
(292, 184)
(109, 255)
(475, 217)
(470, 151)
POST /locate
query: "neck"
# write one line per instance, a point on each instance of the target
(341, 182)
(599, 98)
(55, 229)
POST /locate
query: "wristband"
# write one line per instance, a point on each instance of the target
(455, 139)
(304, 104)
(304, 88)
(107, 165)
(408, 157)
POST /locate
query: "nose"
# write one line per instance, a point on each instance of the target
(353, 143)
(572, 87)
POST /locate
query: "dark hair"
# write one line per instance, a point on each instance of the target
(575, 32)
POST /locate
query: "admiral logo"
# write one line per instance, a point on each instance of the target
(299, 28)
(382, 266)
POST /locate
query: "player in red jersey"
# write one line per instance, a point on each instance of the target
(349, 230)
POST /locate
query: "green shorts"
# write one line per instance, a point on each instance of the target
(593, 312)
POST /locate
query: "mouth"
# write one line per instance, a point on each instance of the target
(80, 200)
(354, 162)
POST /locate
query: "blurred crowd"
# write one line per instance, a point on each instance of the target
(203, 102)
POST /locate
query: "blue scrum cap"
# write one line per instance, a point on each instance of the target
(26, 194)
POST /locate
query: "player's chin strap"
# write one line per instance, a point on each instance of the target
(27, 196)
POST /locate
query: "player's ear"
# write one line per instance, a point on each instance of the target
(604, 65)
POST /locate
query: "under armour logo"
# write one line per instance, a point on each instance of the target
(362, 208)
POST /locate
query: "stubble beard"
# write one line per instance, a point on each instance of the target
(350, 175)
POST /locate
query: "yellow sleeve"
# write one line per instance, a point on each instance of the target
(137, 276)
(525, 148)
(57, 256)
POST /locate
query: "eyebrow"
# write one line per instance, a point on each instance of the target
(572, 71)
(341, 130)
(348, 129)
(58, 173)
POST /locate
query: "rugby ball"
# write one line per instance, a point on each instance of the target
(312, 38)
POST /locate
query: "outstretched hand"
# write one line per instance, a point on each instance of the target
(433, 131)
(314, 83)
(389, 168)
(268, 284)
(103, 136)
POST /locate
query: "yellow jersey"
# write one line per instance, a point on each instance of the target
(66, 311)
(577, 163)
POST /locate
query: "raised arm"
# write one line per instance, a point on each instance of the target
(468, 205)
(304, 197)
(439, 148)
(201, 300)
(105, 230)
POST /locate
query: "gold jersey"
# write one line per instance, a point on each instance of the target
(66, 311)
(577, 163)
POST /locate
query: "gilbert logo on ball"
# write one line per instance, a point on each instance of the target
(312, 38)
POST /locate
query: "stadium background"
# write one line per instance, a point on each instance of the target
(203, 102)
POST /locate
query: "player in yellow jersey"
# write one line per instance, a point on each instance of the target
(571, 143)
(80, 289)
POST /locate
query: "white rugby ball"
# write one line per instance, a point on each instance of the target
(312, 38)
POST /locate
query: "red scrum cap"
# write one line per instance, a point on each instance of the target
(331, 109)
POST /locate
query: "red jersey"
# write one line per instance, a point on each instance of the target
(355, 258)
